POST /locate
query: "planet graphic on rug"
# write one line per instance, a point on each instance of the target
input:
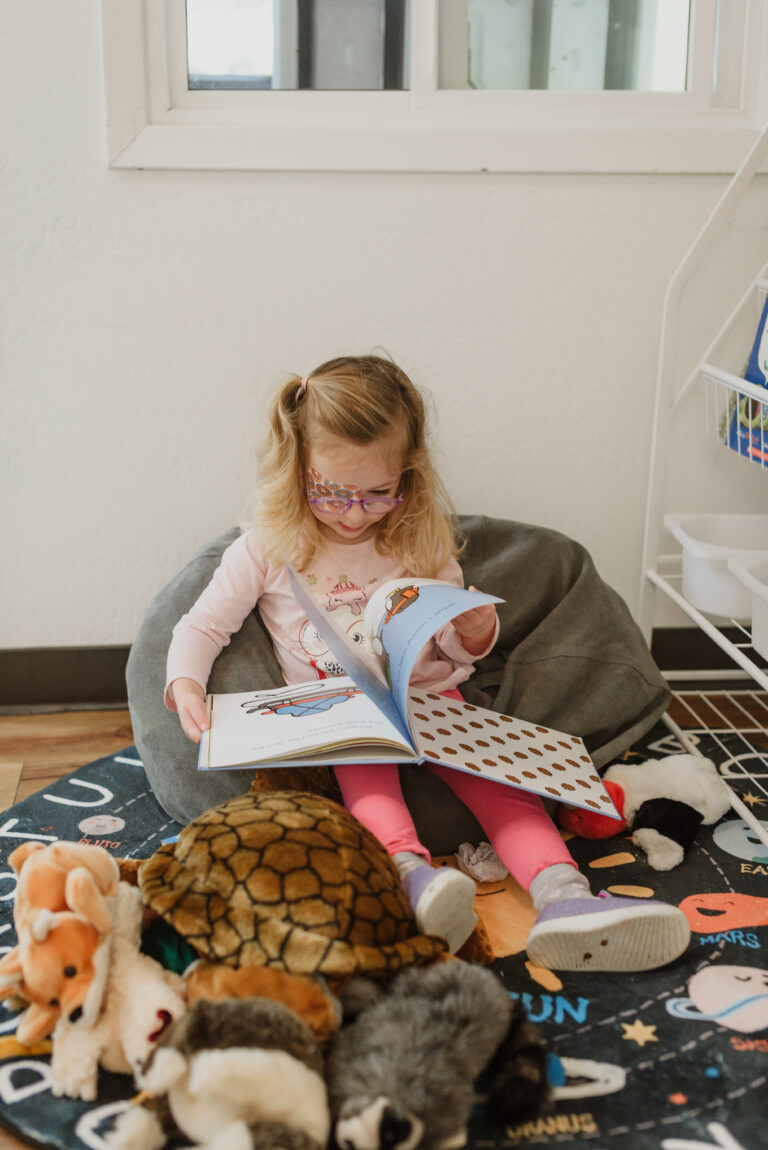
(101, 825)
(734, 996)
(736, 838)
(724, 911)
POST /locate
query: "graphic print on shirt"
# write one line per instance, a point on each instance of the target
(348, 601)
(346, 594)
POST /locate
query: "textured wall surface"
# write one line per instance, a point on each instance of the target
(147, 316)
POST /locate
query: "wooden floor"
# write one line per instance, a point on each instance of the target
(37, 749)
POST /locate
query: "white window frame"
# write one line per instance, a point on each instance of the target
(154, 122)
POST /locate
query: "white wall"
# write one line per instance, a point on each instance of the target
(147, 316)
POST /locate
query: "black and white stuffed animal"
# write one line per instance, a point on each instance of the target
(403, 1074)
(662, 801)
(235, 1074)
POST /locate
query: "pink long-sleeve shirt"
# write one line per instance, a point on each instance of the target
(342, 577)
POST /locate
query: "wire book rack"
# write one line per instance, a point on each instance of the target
(737, 414)
(731, 728)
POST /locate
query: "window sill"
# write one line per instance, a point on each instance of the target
(715, 143)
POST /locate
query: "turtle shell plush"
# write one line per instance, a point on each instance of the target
(287, 879)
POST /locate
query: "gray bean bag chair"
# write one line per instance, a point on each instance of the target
(569, 656)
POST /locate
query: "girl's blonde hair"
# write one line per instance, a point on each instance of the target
(367, 400)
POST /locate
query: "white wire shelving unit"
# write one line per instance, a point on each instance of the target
(734, 722)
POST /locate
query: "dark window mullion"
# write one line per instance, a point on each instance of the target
(541, 34)
(394, 38)
(305, 45)
(620, 45)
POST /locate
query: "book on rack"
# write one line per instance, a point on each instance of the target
(748, 427)
(370, 714)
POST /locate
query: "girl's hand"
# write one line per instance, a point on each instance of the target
(476, 627)
(189, 698)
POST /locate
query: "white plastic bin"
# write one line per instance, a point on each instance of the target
(709, 541)
(753, 574)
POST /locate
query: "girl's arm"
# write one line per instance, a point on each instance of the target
(200, 635)
(189, 701)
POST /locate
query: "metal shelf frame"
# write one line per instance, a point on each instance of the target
(726, 395)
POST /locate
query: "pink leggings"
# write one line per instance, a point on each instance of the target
(518, 827)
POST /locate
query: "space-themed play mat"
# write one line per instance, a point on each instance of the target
(674, 1059)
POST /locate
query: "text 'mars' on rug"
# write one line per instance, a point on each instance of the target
(675, 1059)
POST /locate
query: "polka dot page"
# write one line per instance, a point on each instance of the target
(510, 751)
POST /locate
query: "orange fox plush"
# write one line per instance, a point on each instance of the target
(63, 916)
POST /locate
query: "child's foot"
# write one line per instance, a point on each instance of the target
(442, 901)
(607, 933)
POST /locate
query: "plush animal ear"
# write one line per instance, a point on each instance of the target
(665, 829)
(18, 857)
(11, 973)
(36, 1023)
(97, 861)
(677, 821)
(83, 896)
(519, 1089)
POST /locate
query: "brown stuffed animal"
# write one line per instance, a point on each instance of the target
(290, 880)
(306, 997)
(63, 915)
(119, 1025)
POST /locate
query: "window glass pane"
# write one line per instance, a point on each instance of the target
(230, 43)
(356, 45)
(565, 45)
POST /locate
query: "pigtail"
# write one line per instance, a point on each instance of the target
(282, 517)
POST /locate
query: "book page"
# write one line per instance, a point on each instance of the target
(403, 615)
(510, 751)
(258, 726)
(366, 674)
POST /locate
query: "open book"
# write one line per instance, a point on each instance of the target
(370, 714)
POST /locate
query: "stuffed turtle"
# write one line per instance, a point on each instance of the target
(288, 879)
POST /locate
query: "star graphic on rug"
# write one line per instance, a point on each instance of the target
(752, 799)
(640, 1033)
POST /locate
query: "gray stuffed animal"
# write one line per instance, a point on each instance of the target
(402, 1074)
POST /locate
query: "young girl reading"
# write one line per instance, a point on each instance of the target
(349, 494)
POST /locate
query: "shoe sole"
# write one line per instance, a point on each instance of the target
(445, 908)
(645, 938)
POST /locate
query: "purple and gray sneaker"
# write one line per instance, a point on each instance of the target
(607, 933)
(442, 899)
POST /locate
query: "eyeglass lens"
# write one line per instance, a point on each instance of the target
(371, 506)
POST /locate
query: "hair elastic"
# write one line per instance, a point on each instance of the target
(304, 382)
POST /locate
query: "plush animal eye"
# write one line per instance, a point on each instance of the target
(54, 1002)
(70, 971)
